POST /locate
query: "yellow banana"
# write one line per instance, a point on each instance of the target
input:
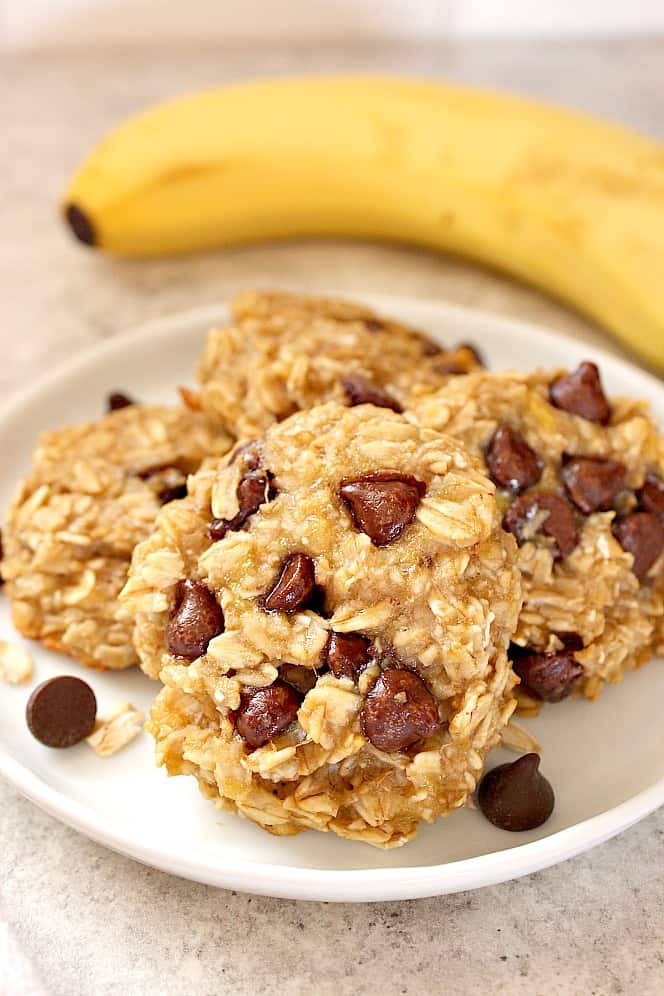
(569, 203)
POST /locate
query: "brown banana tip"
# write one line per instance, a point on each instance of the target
(80, 225)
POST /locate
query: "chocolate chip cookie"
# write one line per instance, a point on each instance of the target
(93, 494)
(580, 481)
(283, 353)
(330, 610)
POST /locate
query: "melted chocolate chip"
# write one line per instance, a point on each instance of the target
(516, 796)
(294, 587)
(559, 523)
(167, 495)
(651, 496)
(255, 489)
(399, 711)
(642, 535)
(382, 505)
(549, 676)
(361, 391)
(118, 400)
(592, 483)
(265, 712)
(195, 620)
(581, 393)
(347, 654)
(511, 461)
(61, 711)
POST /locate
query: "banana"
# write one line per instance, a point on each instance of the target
(571, 204)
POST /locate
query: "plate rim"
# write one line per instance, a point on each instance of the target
(319, 884)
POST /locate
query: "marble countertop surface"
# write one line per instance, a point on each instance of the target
(92, 922)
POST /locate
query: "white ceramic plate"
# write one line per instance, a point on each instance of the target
(605, 760)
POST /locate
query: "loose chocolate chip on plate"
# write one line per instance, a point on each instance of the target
(178, 491)
(581, 393)
(382, 505)
(118, 400)
(651, 496)
(549, 676)
(264, 712)
(399, 711)
(361, 391)
(347, 654)
(511, 461)
(542, 510)
(642, 535)
(61, 711)
(196, 619)
(254, 490)
(592, 483)
(294, 587)
(516, 796)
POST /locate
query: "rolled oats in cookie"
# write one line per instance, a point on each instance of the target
(361, 676)
(92, 495)
(591, 542)
(283, 353)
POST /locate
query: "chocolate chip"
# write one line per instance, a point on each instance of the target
(430, 348)
(642, 535)
(264, 712)
(61, 711)
(302, 679)
(374, 325)
(511, 461)
(516, 796)
(254, 490)
(347, 654)
(382, 505)
(593, 483)
(195, 620)
(651, 496)
(581, 394)
(549, 676)
(118, 400)
(399, 711)
(362, 391)
(167, 495)
(294, 587)
(560, 522)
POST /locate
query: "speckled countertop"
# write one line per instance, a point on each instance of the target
(92, 922)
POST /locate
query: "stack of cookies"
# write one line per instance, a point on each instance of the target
(348, 558)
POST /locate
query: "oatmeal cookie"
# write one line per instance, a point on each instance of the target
(580, 487)
(93, 494)
(283, 353)
(329, 611)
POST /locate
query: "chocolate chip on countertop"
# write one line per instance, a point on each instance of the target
(516, 796)
(642, 535)
(118, 400)
(581, 393)
(195, 620)
(347, 654)
(61, 711)
(361, 391)
(382, 505)
(511, 461)
(549, 676)
(560, 521)
(592, 483)
(264, 712)
(294, 587)
(178, 491)
(399, 711)
(651, 496)
(254, 490)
